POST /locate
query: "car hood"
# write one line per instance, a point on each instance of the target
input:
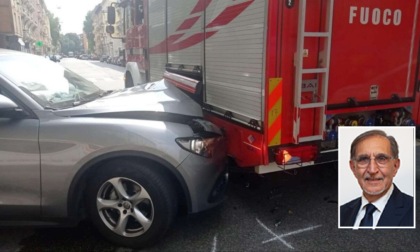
(147, 101)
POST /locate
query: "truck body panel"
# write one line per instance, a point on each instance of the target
(378, 41)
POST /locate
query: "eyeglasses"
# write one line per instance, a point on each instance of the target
(364, 160)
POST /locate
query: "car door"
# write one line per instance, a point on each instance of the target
(19, 163)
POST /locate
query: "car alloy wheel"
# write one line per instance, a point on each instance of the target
(130, 203)
(125, 207)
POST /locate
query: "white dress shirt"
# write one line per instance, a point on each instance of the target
(379, 204)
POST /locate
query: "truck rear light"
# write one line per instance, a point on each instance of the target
(296, 154)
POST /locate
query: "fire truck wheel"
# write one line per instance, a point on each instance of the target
(129, 81)
(131, 204)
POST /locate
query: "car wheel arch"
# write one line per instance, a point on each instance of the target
(75, 197)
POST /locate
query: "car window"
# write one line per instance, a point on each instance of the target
(48, 83)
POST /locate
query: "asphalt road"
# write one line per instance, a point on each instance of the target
(274, 212)
(106, 76)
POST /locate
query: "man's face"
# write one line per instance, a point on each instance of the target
(374, 179)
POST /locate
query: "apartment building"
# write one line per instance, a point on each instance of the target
(104, 44)
(25, 26)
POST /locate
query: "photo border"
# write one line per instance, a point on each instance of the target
(406, 139)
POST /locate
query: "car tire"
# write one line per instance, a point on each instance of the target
(129, 81)
(131, 204)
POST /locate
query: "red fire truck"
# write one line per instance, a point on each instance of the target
(279, 76)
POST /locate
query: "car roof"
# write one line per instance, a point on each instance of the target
(6, 53)
(10, 52)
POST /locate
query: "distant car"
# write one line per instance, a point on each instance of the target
(84, 57)
(93, 57)
(103, 58)
(55, 58)
(121, 61)
(109, 60)
(129, 160)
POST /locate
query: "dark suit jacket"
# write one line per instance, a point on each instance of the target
(398, 211)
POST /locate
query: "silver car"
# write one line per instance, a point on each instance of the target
(129, 160)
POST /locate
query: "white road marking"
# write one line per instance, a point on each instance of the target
(280, 237)
(121, 249)
(214, 248)
(294, 232)
(273, 234)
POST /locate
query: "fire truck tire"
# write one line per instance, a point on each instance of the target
(129, 81)
(131, 204)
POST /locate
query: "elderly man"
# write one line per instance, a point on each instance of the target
(374, 162)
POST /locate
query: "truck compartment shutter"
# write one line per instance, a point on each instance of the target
(185, 22)
(234, 57)
(157, 38)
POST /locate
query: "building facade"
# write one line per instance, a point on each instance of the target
(25, 26)
(104, 44)
(84, 40)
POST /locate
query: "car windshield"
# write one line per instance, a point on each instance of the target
(49, 83)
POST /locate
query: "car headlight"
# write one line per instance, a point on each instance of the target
(203, 146)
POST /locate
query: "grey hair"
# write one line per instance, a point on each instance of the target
(367, 134)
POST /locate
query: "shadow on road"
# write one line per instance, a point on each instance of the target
(84, 237)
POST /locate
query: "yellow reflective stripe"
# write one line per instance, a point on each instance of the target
(274, 110)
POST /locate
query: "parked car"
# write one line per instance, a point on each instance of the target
(129, 160)
(93, 57)
(84, 57)
(114, 60)
(103, 58)
(121, 61)
(55, 58)
(109, 60)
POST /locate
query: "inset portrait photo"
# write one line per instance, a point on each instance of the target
(376, 178)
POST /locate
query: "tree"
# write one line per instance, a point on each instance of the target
(88, 29)
(70, 42)
(55, 29)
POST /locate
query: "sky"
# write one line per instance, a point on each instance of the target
(71, 13)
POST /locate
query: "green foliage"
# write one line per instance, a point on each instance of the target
(55, 29)
(88, 30)
(70, 42)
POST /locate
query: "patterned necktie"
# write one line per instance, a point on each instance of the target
(367, 221)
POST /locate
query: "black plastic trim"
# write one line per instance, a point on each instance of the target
(353, 103)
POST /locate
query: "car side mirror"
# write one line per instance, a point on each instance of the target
(6, 104)
(9, 109)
